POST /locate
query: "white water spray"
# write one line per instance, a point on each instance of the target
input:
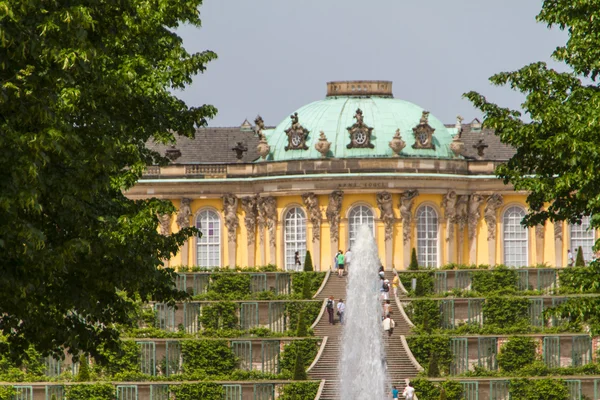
(361, 370)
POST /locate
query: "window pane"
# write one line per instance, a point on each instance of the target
(295, 238)
(515, 238)
(427, 236)
(208, 245)
(358, 216)
(582, 235)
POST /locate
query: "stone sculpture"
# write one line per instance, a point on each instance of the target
(449, 205)
(475, 201)
(322, 145)
(230, 203)
(386, 208)
(406, 202)
(249, 205)
(489, 213)
(311, 201)
(270, 212)
(333, 213)
(397, 144)
(165, 224)
(184, 214)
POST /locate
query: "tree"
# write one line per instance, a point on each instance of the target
(433, 370)
(306, 286)
(557, 148)
(414, 263)
(83, 375)
(579, 261)
(302, 329)
(308, 264)
(299, 370)
(83, 87)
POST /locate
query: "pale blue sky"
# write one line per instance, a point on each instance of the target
(276, 55)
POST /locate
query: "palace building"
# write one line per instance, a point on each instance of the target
(359, 156)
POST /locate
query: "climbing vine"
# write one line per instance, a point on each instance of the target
(221, 315)
(194, 391)
(96, 391)
(309, 349)
(207, 357)
(299, 391)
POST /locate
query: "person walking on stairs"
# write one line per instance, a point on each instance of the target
(329, 306)
(387, 309)
(409, 392)
(395, 284)
(341, 308)
(395, 393)
(388, 325)
(340, 261)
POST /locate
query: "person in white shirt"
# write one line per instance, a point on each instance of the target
(409, 392)
(570, 258)
(388, 325)
(341, 308)
(348, 259)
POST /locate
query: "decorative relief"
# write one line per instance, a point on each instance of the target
(311, 201)
(449, 205)
(360, 133)
(397, 144)
(333, 213)
(489, 213)
(424, 133)
(558, 230)
(297, 135)
(230, 203)
(249, 205)
(165, 224)
(386, 207)
(406, 202)
(475, 201)
(461, 213)
(323, 146)
(270, 211)
(184, 214)
(261, 219)
(540, 230)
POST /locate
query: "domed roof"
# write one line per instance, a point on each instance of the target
(337, 112)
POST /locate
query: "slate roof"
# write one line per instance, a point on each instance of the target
(214, 145)
(496, 150)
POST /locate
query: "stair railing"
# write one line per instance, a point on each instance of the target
(319, 353)
(320, 391)
(321, 313)
(410, 355)
(323, 284)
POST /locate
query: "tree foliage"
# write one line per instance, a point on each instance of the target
(308, 264)
(83, 87)
(516, 353)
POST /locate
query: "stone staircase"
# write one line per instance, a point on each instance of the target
(398, 363)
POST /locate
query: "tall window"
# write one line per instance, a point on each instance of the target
(515, 238)
(582, 235)
(208, 250)
(295, 237)
(427, 236)
(359, 215)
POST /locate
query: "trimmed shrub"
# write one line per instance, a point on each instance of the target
(414, 263)
(97, 391)
(306, 292)
(579, 261)
(308, 264)
(302, 330)
(299, 368)
(193, 391)
(83, 375)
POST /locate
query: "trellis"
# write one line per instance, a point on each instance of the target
(581, 350)
(460, 355)
(277, 317)
(248, 315)
(470, 390)
(475, 312)
(58, 391)
(499, 390)
(574, 387)
(440, 281)
(201, 284)
(172, 357)
(487, 353)
(264, 391)
(127, 392)
(165, 317)
(159, 392)
(463, 280)
(270, 356)
(546, 280)
(147, 358)
(233, 392)
(447, 313)
(53, 367)
(523, 280)
(243, 351)
(23, 393)
(282, 283)
(551, 351)
(556, 301)
(191, 317)
(258, 283)
(536, 312)
(181, 282)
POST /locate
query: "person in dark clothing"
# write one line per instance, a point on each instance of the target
(330, 306)
(297, 262)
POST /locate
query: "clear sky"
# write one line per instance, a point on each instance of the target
(277, 55)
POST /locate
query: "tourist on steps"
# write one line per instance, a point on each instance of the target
(388, 325)
(340, 262)
(395, 393)
(341, 308)
(387, 309)
(409, 392)
(395, 284)
(329, 307)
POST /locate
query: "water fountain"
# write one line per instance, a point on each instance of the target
(362, 372)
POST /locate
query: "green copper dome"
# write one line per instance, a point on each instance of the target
(336, 113)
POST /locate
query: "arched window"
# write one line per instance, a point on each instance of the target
(295, 237)
(515, 238)
(208, 245)
(359, 215)
(427, 236)
(582, 235)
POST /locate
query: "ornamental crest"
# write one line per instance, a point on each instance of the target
(297, 135)
(360, 133)
(424, 133)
